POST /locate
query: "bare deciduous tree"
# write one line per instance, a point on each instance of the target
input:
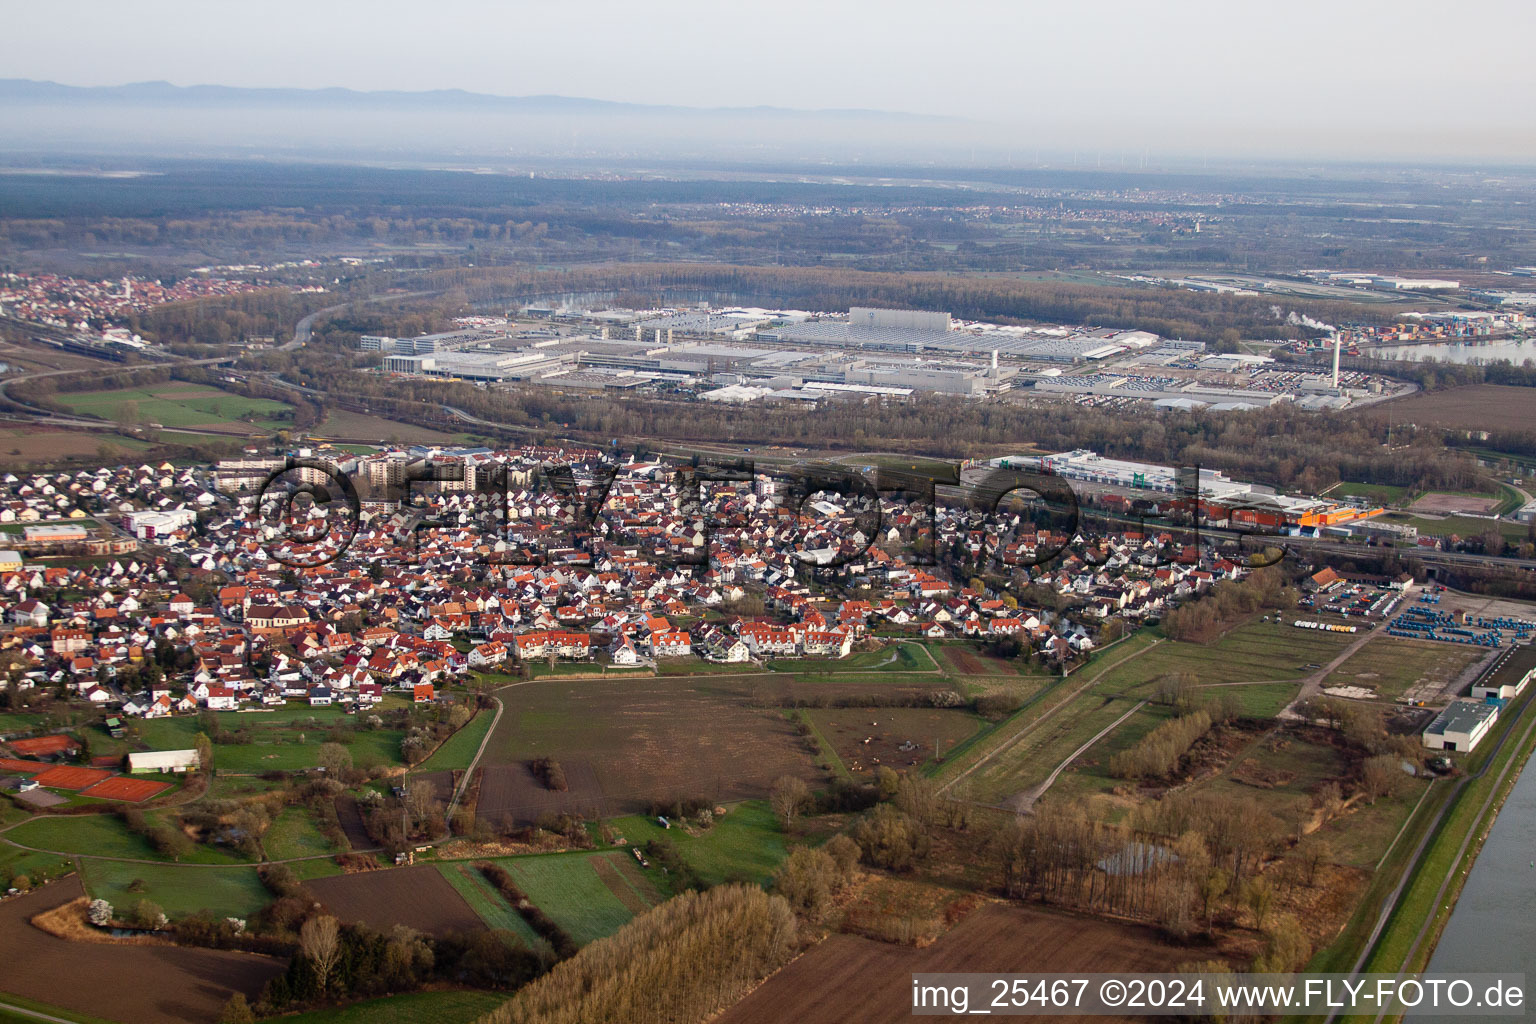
(789, 797)
(320, 942)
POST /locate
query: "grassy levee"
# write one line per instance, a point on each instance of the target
(1456, 823)
(966, 757)
(1452, 852)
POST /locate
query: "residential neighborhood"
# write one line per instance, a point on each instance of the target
(189, 600)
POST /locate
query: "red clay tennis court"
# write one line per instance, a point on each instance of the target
(69, 776)
(121, 787)
(43, 746)
(11, 764)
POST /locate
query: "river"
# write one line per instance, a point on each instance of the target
(1459, 351)
(1493, 927)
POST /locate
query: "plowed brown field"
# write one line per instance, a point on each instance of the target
(418, 897)
(849, 978)
(143, 984)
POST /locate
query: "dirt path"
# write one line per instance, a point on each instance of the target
(1030, 726)
(1312, 685)
(469, 773)
(1024, 803)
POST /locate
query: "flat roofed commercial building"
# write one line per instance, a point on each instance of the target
(1509, 675)
(865, 316)
(1461, 726)
(53, 533)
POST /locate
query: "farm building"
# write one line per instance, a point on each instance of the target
(1509, 675)
(1460, 726)
(141, 762)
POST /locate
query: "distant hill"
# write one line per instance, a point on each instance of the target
(210, 98)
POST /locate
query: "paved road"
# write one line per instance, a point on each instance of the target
(458, 791)
(304, 329)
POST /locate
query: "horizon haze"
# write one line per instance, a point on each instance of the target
(1194, 80)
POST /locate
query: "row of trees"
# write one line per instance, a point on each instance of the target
(1157, 754)
(682, 961)
(543, 925)
(337, 961)
(1229, 601)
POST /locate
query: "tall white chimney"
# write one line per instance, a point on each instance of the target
(994, 362)
(1338, 341)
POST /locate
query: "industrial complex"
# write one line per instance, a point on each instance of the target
(749, 354)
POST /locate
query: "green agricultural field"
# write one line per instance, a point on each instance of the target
(1263, 700)
(568, 889)
(692, 666)
(286, 738)
(1462, 526)
(307, 869)
(294, 834)
(179, 404)
(15, 861)
(487, 903)
(900, 657)
(1253, 652)
(40, 1011)
(1053, 739)
(104, 835)
(413, 1008)
(180, 890)
(459, 749)
(745, 845)
(1362, 836)
(1088, 776)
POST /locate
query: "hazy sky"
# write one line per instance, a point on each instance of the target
(1129, 72)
